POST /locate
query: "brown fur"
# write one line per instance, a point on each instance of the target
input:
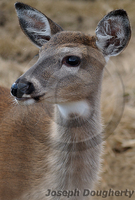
(40, 148)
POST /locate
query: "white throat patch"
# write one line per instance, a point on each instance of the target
(80, 108)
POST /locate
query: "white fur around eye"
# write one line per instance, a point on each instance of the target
(70, 51)
(72, 70)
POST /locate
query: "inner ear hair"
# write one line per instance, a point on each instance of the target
(113, 32)
(36, 26)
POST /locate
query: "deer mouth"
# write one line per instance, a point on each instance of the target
(28, 99)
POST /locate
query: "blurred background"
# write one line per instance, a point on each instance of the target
(17, 55)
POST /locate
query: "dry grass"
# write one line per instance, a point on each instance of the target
(16, 52)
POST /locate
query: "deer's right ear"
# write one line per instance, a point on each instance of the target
(37, 27)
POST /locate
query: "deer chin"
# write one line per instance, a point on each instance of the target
(25, 101)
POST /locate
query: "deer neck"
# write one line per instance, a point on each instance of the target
(77, 122)
(76, 144)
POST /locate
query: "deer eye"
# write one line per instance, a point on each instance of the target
(71, 61)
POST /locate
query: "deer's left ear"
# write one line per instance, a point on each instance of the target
(113, 33)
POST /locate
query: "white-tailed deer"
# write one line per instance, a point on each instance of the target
(50, 128)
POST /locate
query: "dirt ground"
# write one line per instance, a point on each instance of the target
(17, 55)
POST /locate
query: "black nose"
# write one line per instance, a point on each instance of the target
(18, 89)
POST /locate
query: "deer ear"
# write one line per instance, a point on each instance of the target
(113, 33)
(37, 27)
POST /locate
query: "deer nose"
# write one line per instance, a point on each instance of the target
(18, 89)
